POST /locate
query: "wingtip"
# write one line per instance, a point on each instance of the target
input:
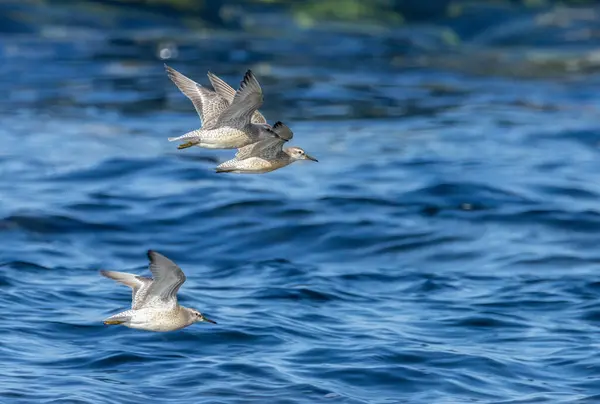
(154, 256)
(248, 76)
(174, 75)
(171, 73)
(282, 131)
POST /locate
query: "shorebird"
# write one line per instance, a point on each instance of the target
(154, 304)
(265, 155)
(228, 121)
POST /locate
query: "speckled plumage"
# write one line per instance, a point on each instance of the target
(154, 304)
(230, 119)
(266, 155)
(227, 92)
(208, 103)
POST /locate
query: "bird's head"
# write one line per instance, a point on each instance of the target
(297, 153)
(198, 317)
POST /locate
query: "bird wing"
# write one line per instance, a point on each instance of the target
(213, 108)
(257, 117)
(221, 87)
(246, 101)
(167, 279)
(139, 285)
(282, 131)
(228, 93)
(208, 104)
(264, 148)
(267, 148)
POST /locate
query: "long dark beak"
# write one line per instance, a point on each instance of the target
(311, 158)
(208, 320)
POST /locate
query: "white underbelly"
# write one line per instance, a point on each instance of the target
(153, 320)
(224, 139)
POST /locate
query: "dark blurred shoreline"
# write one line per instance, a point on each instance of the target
(519, 38)
(220, 12)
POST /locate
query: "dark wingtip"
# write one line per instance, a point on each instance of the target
(247, 77)
(150, 254)
(286, 133)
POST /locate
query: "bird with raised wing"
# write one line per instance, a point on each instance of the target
(266, 155)
(154, 305)
(208, 103)
(228, 122)
(227, 92)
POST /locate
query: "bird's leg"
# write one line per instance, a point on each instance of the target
(113, 322)
(186, 145)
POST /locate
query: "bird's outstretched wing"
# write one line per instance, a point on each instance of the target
(246, 101)
(208, 104)
(228, 93)
(139, 285)
(167, 279)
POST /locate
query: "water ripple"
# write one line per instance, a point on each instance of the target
(443, 250)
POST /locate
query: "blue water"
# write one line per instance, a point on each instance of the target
(443, 250)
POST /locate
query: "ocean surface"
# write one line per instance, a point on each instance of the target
(445, 249)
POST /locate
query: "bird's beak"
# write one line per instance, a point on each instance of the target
(208, 320)
(311, 158)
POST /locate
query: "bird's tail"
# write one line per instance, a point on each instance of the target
(224, 170)
(119, 318)
(193, 135)
(193, 138)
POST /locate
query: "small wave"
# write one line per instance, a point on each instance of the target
(54, 224)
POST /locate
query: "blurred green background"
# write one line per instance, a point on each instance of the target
(522, 37)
